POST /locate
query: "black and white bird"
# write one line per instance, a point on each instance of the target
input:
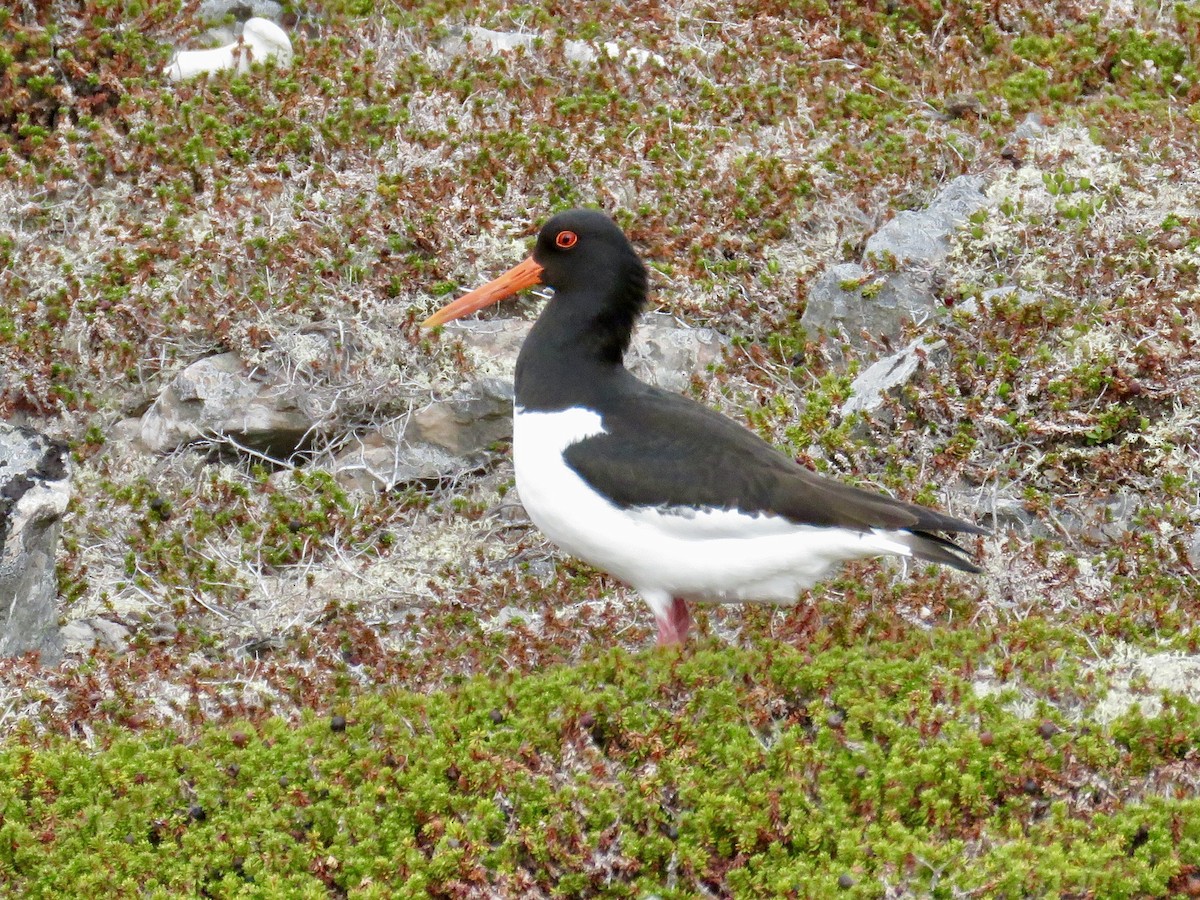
(674, 499)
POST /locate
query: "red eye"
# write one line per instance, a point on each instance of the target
(566, 239)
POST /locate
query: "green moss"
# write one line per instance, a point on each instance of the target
(759, 773)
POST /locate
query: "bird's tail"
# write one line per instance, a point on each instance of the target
(936, 549)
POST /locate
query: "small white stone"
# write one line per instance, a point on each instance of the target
(77, 636)
(111, 635)
(261, 40)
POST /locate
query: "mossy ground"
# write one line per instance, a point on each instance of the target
(855, 771)
(925, 735)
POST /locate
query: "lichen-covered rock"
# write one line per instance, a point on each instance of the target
(34, 491)
(223, 397)
(922, 237)
(859, 305)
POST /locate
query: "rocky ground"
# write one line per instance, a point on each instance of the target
(794, 175)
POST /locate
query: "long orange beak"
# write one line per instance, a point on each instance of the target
(523, 275)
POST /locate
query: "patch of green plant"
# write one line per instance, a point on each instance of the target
(66, 65)
(760, 772)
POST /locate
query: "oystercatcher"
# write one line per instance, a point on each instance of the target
(671, 497)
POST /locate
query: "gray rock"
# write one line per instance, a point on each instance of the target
(1106, 520)
(998, 507)
(467, 422)
(222, 397)
(495, 342)
(81, 635)
(125, 432)
(1193, 550)
(438, 442)
(112, 635)
(922, 237)
(853, 303)
(34, 492)
(217, 10)
(1100, 521)
(1030, 129)
(848, 302)
(78, 636)
(667, 355)
(381, 460)
(871, 387)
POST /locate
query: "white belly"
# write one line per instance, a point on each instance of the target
(717, 556)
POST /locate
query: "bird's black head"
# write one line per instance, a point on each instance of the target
(585, 248)
(599, 288)
(592, 266)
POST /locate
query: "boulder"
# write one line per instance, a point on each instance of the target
(221, 396)
(34, 492)
(860, 305)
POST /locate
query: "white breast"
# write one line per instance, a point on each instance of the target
(664, 552)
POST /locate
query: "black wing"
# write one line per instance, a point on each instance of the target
(663, 449)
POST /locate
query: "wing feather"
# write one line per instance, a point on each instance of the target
(695, 457)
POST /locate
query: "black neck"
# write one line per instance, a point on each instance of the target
(575, 353)
(574, 350)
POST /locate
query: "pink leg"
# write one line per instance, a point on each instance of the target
(674, 628)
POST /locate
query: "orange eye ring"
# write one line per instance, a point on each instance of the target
(565, 240)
